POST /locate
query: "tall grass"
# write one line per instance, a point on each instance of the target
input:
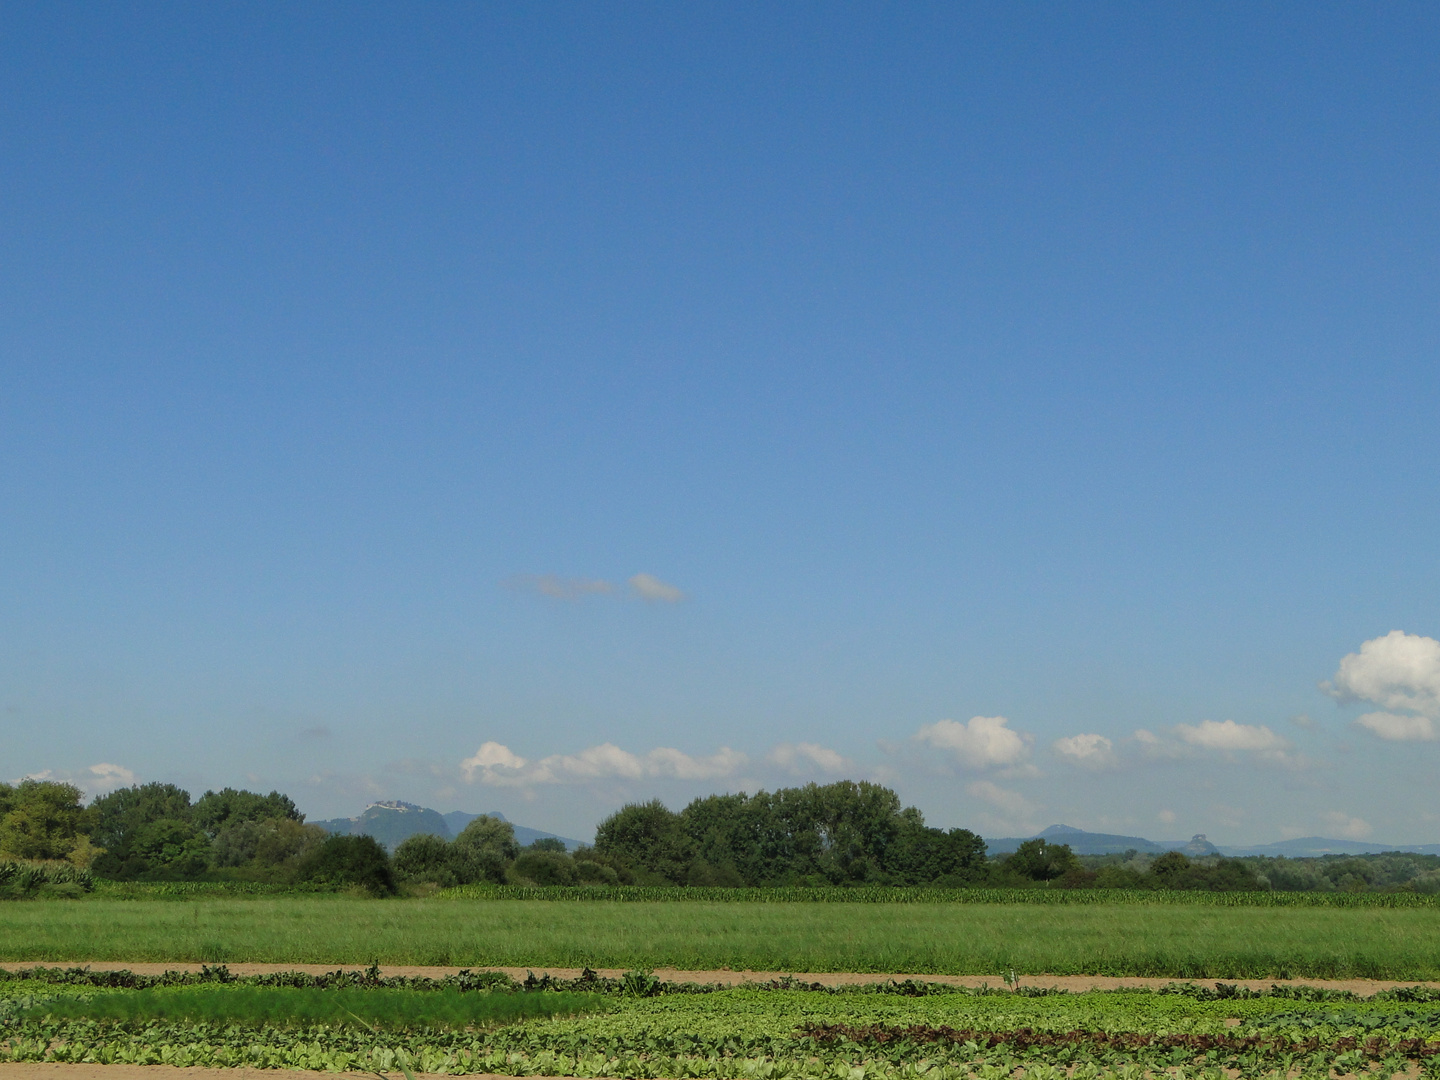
(1180, 941)
(890, 894)
(252, 1006)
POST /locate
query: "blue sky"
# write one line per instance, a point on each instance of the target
(542, 407)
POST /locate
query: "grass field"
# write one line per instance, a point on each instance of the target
(1137, 939)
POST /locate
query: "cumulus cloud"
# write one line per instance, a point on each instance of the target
(1091, 751)
(495, 763)
(1351, 828)
(1228, 735)
(1166, 817)
(1397, 727)
(1400, 672)
(981, 743)
(93, 780)
(805, 757)
(652, 590)
(559, 588)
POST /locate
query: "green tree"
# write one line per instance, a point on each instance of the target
(648, 838)
(426, 857)
(171, 850)
(489, 834)
(920, 855)
(216, 809)
(350, 860)
(117, 818)
(547, 843)
(483, 851)
(1040, 860)
(44, 821)
(264, 846)
(1169, 868)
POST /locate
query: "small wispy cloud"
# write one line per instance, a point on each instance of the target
(496, 764)
(646, 587)
(1399, 727)
(1228, 735)
(803, 758)
(652, 590)
(1351, 828)
(1088, 750)
(555, 587)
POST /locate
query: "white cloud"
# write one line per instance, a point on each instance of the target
(1166, 817)
(1352, 828)
(801, 758)
(984, 742)
(497, 764)
(1397, 671)
(93, 780)
(652, 590)
(559, 588)
(1228, 735)
(1011, 803)
(1395, 727)
(1090, 750)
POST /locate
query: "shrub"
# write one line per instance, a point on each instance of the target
(426, 857)
(350, 860)
(544, 868)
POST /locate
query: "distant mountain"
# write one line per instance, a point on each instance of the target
(1306, 847)
(1312, 847)
(1088, 843)
(394, 822)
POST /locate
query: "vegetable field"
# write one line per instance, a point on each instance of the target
(638, 1027)
(1168, 940)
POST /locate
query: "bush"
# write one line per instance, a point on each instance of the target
(594, 873)
(350, 860)
(544, 868)
(426, 857)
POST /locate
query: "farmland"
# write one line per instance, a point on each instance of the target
(1190, 941)
(639, 1028)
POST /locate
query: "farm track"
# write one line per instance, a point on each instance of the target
(1072, 983)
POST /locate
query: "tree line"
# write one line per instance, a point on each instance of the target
(845, 833)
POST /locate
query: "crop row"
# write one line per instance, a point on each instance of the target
(995, 1057)
(889, 894)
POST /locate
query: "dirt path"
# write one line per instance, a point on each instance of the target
(1364, 987)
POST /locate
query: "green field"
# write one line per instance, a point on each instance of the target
(1188, 941)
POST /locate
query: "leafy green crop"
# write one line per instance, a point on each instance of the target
(257, 1006)
(882, 1033)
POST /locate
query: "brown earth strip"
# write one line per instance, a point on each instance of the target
(724, 976)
